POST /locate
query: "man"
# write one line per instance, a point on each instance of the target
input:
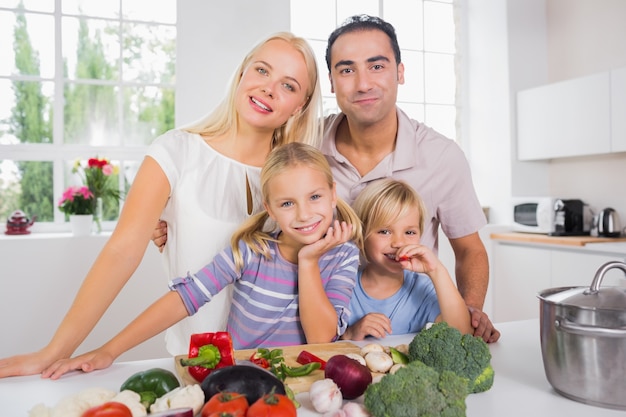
(371, 139)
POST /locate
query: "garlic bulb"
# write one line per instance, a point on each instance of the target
(353, 409)
(325, 396)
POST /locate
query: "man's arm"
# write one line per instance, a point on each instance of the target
(472, 277)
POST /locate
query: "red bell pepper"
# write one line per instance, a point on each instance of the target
(307, 357)
(208, 351)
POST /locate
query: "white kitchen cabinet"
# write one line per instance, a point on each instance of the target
(522, 271)
(618, 110)
(564, 119)
(519, 274)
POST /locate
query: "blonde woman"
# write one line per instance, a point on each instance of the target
(403, 285)
(293, 278)
(203, 179)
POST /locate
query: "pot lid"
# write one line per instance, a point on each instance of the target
(593, 297)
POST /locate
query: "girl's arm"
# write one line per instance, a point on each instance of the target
(113, 267)
(317, 314)
(162, 314)
(453, 308)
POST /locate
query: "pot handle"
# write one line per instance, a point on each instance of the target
(597, 279)
(571, 327)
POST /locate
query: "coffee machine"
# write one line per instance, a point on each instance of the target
(571, 218)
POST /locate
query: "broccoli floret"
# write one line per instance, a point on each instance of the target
(417, 390)
(445, 348)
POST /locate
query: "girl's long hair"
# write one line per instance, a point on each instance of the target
(305, 126)
(384, 201)
(255, 232)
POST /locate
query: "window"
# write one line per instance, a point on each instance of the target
(79, 79)
(426, 34)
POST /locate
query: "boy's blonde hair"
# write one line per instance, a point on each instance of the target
(385, 201)
(304, 126)
(293, 154)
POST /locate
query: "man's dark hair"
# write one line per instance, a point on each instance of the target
(364, 22)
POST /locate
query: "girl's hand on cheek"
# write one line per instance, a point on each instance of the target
(337, 234)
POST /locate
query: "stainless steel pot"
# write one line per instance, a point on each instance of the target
(583, 341)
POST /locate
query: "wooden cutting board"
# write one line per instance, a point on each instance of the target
(290, 353)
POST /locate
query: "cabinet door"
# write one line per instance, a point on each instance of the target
(568, 118)
(618, 110)
(577, 269)
(520, 273)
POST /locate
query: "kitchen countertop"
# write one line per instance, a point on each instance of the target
(554, 240)
(520, 388)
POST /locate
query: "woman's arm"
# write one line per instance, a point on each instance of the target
(162, 314)
(113, 267)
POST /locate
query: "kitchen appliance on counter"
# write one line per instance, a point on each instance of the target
(583, 340)
(571, 218)
(607, 223)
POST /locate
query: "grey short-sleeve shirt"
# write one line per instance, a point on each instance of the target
(434, 165)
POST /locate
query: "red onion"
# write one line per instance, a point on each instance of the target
(351, 377)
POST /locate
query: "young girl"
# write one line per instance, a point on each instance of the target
(292, 284)
(403, 285)
(204, 180)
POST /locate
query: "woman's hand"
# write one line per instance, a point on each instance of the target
(372, 324)
(159, 235)
(26, 364)
(87, 362)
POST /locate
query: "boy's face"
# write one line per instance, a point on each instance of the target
(364, 76)
(302, 203)
(382, 243)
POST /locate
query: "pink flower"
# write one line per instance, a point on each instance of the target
(107, 169)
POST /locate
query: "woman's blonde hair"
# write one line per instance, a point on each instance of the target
(384, 201)
(305, 126)
(253, 232)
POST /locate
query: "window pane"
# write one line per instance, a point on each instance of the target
(149, 53)
(91, 116)
(26, 45)
(25, 112)
(440, 78)
(26, 186)
(413, 88)
(91, 48)
(145, 10)
(319, 49)
(413, 110)
(96, 8)
(439, 34)
(442, 119)
(313, 19)
(347, 8)
(406, 17)
(35, 5)
(149, 112)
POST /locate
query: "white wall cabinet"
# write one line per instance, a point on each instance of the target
(521, 272)
(618, 110)
(564, 119)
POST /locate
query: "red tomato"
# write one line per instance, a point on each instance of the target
(226, 402)
(272, 405)
(110, 409)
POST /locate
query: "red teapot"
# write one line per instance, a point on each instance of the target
(18, 223)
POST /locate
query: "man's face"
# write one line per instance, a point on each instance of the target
(364, 76)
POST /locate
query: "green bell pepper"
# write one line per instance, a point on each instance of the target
(151, 384)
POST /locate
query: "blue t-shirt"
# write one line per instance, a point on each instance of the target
(409, 309)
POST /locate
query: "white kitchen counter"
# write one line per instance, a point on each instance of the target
(520, 387)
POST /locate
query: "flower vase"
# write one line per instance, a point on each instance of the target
(97, 217)
(81, 224)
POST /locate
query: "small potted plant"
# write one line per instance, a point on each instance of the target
(78, 202)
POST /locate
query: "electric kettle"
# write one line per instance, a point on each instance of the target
(608, 223)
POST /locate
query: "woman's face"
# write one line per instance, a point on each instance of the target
(273, 86)
(301, 201)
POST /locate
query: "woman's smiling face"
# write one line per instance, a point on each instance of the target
(302, 202)
(273, 86)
